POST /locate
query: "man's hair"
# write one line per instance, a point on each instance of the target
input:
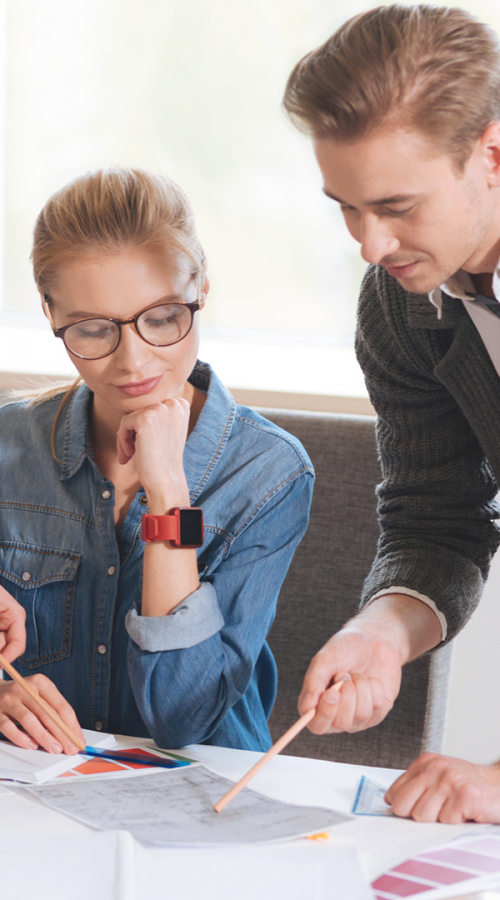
(426, 68)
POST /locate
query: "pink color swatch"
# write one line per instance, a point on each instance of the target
(442, 866)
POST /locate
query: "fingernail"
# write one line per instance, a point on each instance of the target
(32, 746)
(56, 748)
(307, 700)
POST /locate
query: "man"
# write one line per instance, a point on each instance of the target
(403, 105)
(12, 630)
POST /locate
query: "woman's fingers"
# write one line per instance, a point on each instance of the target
(19, 713)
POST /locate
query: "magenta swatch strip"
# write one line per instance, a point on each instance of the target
(399, 886)
(473, 861)
(437, 874)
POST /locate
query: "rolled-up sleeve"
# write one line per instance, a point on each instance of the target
(185, 688)
(196, 619)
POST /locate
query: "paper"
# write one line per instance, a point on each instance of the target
(297, 870)
(468, 864)
(70, 866)
(37, 766)
(176, 807)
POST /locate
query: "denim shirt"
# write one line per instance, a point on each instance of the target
(204, 673)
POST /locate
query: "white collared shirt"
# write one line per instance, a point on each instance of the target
(486, 322)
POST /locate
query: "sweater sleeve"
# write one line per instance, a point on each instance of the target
(436, 500)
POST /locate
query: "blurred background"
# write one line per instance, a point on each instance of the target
(193, 89)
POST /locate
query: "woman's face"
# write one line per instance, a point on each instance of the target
(136, 374)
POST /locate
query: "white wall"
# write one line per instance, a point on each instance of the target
(473, 727)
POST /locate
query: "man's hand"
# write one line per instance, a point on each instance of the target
(12, 627)
(369, 652)
(442, 789)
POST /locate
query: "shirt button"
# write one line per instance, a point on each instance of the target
(111, 570)
(143, 500)
(98, 726)
(102, 649)
(26, 576)
(106, 494)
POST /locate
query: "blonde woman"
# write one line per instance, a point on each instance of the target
(138, 622)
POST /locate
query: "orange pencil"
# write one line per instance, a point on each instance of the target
(280, 744)
(41, 703)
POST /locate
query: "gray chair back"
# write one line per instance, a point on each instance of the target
(321, 591)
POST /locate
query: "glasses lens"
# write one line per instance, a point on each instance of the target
(163, 325)
(92, 338)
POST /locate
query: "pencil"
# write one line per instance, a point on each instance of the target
(51, 713)
(280, 744)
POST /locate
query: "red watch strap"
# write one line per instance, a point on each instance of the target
(159, 528)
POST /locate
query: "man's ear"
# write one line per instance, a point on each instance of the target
(489, 145)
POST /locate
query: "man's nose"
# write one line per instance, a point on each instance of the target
(377, 239)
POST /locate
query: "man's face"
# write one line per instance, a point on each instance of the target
(409, 207)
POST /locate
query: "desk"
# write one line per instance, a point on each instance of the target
(380, 841)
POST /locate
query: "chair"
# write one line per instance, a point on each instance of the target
(322, 589)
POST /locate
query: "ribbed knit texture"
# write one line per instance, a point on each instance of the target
(437, 396)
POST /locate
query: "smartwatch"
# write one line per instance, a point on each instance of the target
(183, 527)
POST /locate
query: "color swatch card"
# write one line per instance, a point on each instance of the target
(468, 864)
(369, 799)
(96, 767)
(37, 766)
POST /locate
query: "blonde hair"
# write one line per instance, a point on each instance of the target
(433, 69)
(101, 213)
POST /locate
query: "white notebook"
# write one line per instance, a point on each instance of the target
(37, 766)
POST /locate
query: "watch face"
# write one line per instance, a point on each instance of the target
(191, 522)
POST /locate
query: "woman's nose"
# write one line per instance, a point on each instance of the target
(132, 352)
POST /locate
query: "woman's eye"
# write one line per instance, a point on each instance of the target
(163, 318)
(91, 331)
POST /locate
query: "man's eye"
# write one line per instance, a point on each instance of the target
(398, 212)
(344, 208)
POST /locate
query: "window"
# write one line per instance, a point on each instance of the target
(191, 89)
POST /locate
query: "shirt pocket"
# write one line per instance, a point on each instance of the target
(43, 581)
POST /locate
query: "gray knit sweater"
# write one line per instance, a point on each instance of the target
(437, 396)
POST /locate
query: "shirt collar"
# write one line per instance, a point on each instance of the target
(460, 287)
(204, 445)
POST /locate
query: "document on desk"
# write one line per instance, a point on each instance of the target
(176, 807)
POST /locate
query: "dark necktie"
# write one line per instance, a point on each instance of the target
(489, 302)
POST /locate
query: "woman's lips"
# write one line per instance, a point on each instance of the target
(136, 389)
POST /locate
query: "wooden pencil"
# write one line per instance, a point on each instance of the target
(280, 745)
(51, 713)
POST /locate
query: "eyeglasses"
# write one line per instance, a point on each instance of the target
(160, 326)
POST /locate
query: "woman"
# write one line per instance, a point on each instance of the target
(130, 634)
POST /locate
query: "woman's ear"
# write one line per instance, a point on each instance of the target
(204, 291)
(46, 306)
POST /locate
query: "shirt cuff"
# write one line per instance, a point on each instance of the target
(196, 619)
(411, 593)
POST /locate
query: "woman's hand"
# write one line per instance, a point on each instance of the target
(26, 725)
(156, 437)
(12, 627)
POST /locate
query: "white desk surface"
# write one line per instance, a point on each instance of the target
(380, 841)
